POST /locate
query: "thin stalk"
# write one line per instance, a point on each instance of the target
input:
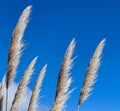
(6, 99)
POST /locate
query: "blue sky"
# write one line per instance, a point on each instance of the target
(52, 26)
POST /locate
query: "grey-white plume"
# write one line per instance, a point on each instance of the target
(16, 45)
(17, 102)
(35, 94)
(64, 80)
(2, 93)
(91, 73)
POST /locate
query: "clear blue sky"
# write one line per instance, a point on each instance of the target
(53, 25)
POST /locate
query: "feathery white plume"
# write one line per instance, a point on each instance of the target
(2, 90)
(91, 73)
(16, 46)
(64, 80)
(35, 94)
(17, 102)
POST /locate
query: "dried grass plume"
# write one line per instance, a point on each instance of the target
(2, 90)
(64, 80)
(91, 73)
(16, 45)
(35, 94)
(22, 86)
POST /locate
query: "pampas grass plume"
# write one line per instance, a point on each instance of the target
(64, 80)
(91, 73)
(2, 86)
(22, 86)
(35, 94)
(16, 45)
